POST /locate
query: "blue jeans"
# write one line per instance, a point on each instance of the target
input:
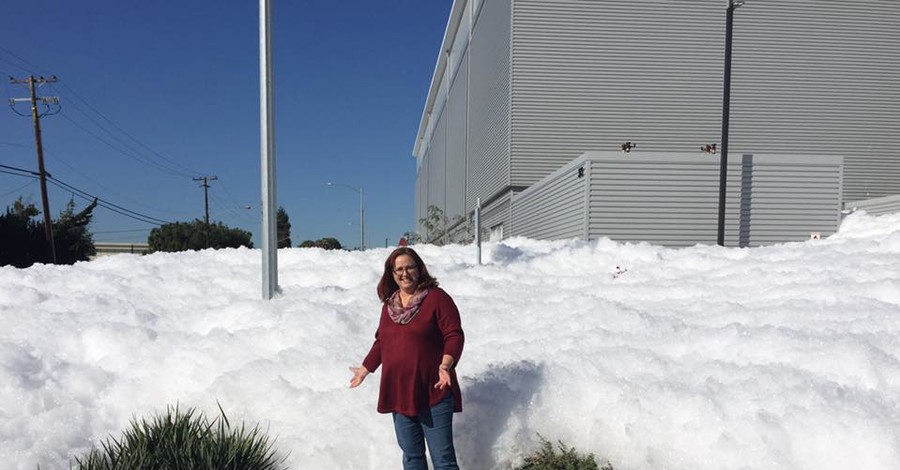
(434, 426)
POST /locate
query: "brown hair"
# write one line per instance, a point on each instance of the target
(387, 286)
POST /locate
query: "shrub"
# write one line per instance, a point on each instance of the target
(186, 441)
(546, 458)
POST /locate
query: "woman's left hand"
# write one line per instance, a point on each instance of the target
(443, 378)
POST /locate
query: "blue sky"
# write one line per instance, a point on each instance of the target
(155, 93)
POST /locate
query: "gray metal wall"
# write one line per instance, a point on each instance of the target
(790, 197)
(672, 199)
(809, 77)
(662, 198)
(456, 144)
(488, 127)
(876, 206)
(437, 164)
(553, 208)
(497, 212)
(591, 75)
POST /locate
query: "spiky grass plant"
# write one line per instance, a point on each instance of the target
(184, 440)
(547, 458)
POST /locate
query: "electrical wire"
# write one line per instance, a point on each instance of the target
(56, 158)
(30, 173)
(20, 59)
(136, 154)
(134, 157)
(189, 172)
(106, 204)
(174, 168)
(34, 178)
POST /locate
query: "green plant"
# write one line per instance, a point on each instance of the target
(547, 458)
(25, 241)
(184, 440)
(327, 243)
(183, 236)
(283, 228)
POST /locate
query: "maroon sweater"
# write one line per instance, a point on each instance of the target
(411, 354)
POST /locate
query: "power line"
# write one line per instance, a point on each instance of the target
(30, 173)
(20, 59)
(85, 195)
(19, 188)
(58, 158)
(188, 171)
(109, 205)
(134, 157)
(172, 168)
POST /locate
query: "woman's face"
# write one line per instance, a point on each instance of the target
(406, 273)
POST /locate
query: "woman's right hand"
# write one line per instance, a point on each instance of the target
(359, 374)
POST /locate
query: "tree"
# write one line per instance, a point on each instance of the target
(436, 226)
(73, 240)
(327, 243)
(283, 226)
(183, 236)
(24, 242)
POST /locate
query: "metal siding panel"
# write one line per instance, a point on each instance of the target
(497, 213)
(437, 170)
(817, 77)
(456, 145)
(809, 77)
(421, 194)
(593, 75)
(554, 208)
(672, 199)
(488, 127)
(877, 206)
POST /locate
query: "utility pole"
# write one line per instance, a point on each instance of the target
(31, 81)
(205, 186)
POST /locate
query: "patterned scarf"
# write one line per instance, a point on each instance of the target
(401, 314)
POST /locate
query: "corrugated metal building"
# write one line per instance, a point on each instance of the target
(523, 87)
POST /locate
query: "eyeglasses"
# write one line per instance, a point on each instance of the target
(405, 269)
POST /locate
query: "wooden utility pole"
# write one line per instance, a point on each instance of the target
(205, 186)
(45, 201)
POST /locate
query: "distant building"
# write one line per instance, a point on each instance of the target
(110, 248)
(523, 87)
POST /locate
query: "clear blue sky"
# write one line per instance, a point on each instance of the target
(175, 85)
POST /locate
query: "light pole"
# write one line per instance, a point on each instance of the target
(362, 213)
(726, 103)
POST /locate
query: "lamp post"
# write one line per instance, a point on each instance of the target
(362, 213)
(726, 102)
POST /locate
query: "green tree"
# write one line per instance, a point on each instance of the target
(283, 225)
(183, 236)
(327, 243)
(74, 242)
(23, 241)
(435, 224)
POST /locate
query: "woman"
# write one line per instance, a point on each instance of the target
(418, 343)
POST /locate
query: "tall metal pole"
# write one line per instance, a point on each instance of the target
(726, 102)
(267, 157)
(45, 200)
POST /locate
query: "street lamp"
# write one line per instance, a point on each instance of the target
(362, 213)
(726, 102)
